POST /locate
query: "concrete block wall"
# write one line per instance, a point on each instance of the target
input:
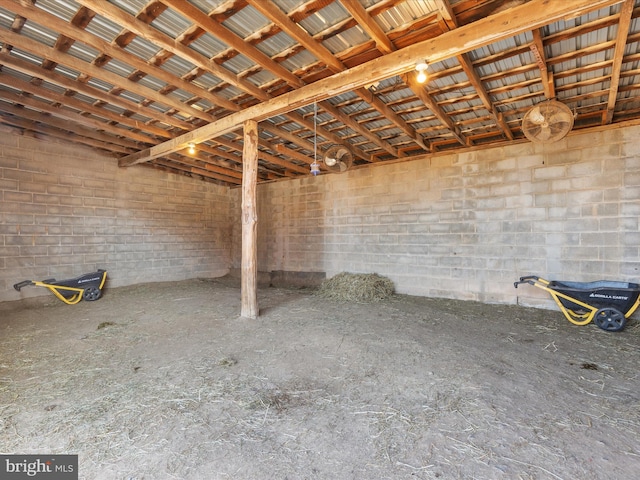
(465, 225)
(66, 210)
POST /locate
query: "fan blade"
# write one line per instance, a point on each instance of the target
(341, 153)
(545, 133)
(536, 116)
(559, 116)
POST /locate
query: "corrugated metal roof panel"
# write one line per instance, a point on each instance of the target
(180, 95)
(276, 44)
(300, 60)
(397, 95)
(177, 66)
(113, 108)
(207, 5)
(67, 72)
(230, 92)
(39, 33)
(63, 10)
(203, 104)
(206, 81)
(6, 18)
(208, 45)
(83, 52)
(246, 22)
(130, 6)
(103, 28)
(99, 84)
(159, 107)
(119, 68)
(262, 78)
(171, 23)
(288, 5)
(403, 13)
(51, 86)
(324, 18)
(152, 82)
(142, 48)
(238, 64)
(346, 40)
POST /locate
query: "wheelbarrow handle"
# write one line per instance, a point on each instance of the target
(25, 283)
(531, 279)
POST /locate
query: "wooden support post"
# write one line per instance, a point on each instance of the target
(249, 282)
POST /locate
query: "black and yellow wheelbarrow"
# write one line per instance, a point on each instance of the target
(608, 304)
(87, 287)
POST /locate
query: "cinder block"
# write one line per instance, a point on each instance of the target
(18, 197)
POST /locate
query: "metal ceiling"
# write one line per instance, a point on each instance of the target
(125, 75)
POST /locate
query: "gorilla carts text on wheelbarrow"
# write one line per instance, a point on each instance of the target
(607, 303)
(87, 287)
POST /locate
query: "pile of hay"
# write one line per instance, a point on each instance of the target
(369, 287)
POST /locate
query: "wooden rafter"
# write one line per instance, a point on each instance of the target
(448, 23)
(621, 43)
(546, 77)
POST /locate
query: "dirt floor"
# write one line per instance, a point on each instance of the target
(165, 381)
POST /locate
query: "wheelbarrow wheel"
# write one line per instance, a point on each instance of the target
(91, 293)
(610, 319)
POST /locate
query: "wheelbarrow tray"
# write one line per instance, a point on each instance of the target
(87, 286)
(607, 303)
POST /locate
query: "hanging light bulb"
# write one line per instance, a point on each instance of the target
(192, 148)
(421, 68)
(315, 168)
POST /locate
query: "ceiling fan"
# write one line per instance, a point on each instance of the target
(337, 158)
(547, 122)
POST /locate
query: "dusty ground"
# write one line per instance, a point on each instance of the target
(165, 381)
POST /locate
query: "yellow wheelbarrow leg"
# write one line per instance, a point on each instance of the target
(577, 318)
(55, 289)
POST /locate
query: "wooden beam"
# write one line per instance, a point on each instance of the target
(249, 281)
(546, 77)
(477, 84)
(363, 18)
(446, 13)
(533, 14)
(432, 105)
(621, 43)
(448, 22)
